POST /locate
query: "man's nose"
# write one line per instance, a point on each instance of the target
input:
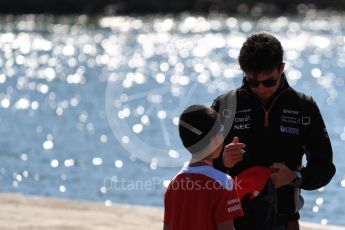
(261, 88)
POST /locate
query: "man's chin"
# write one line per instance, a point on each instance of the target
(265, 97)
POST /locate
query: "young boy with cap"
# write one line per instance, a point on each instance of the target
(201, 197)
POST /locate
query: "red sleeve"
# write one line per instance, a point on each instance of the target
(166, 208)
(228, 205)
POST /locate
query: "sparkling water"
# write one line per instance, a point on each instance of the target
(89, 106)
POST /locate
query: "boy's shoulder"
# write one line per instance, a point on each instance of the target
(208, 173)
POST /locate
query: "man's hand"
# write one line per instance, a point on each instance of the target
(233, 153)
(283, 175)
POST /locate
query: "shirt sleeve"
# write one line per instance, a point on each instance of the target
(166, 208)
(228, 205)
(320, 168)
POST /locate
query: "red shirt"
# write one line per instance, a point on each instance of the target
(200, 198)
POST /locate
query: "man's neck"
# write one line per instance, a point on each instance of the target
(265, 102)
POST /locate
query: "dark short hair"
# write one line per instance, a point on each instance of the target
(260, 52)
(197, 125)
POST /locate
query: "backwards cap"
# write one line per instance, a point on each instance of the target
(197, 125)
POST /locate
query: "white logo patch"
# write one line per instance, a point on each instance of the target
(242, 119)
(306, 120)
(242, 126)
(288, 111)
(227, 113)
(244, 111)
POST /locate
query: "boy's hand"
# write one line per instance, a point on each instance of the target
(233, 153)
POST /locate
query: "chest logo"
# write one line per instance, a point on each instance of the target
(242, 119)
(289, 111)
(289, 130)
(242, 126)
(306, 120)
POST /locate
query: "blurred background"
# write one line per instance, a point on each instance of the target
(91, 91)
(166, 6)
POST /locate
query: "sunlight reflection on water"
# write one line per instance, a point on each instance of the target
(56, 138)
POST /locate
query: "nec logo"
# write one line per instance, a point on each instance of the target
(242, 126)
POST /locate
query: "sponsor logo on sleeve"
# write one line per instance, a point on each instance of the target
(227, 113)
(233, 201)
(234, 205)
(235, 208)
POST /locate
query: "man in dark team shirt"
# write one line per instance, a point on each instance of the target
(276, 126)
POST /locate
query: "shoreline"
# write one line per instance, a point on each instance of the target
(38, 213)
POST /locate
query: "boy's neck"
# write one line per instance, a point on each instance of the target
(206, 161)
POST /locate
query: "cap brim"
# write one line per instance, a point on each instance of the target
(252, 181)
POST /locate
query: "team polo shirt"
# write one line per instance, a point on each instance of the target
(200, 198)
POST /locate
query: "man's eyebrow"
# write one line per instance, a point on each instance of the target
(272, 76)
